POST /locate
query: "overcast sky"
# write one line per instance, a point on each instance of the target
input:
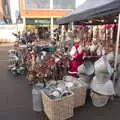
(79, 2)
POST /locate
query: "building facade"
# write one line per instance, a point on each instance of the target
(44, 12)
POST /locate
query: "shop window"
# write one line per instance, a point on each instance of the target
(37, 4)
(64, 4)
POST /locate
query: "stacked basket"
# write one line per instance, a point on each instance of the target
(79, 96)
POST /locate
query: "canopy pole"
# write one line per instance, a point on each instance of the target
(62, 36)
(117, 48)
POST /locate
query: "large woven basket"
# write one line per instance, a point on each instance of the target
(79, 96)
(58, 109)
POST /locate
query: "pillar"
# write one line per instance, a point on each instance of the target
(51, 28)
(51, 19)
(1, 9)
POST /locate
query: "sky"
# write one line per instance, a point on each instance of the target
(79, 2)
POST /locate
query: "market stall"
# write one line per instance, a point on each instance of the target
(96, 13)
(90, 9)
(103, 12)
(61, 78)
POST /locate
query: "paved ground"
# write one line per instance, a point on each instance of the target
(16, 100)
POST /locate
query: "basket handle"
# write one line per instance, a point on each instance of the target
(91, 94)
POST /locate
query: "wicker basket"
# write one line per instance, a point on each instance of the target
(79, 96)
(58, 109)
(99, 100)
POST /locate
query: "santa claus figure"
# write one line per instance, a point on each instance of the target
(77, 54)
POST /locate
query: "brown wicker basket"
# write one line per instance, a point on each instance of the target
(58, 109)
(79, 96)
(99, 100)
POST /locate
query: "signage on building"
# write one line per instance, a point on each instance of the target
(37, 21)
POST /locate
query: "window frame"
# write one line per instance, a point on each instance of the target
(65, 8)
(36, 8)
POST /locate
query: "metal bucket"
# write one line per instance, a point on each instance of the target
(89, 67)
(102, 66)
(86, 68)
(110, 56)
(37, 98)
(118, 59)
(85, 78)
(81, 69)
(104, 86)
(117, 87)
(102, 77)
(99, 100)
